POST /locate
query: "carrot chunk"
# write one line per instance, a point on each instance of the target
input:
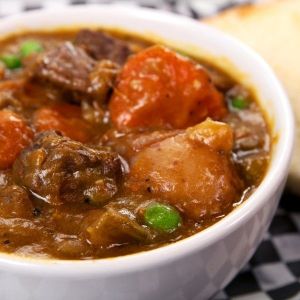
(15, 135)
(159, 88)
(65, 118)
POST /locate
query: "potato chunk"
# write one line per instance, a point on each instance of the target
(216, 135)
(191, 170)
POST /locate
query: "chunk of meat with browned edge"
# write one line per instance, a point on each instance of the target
(70, 69)
(249, 131)
(58, 169)
(16, 212)
(113, 225)
(102, 79)
(251, 140)
(116, 224)
(192, 170)
(15, 202)
(66, 66)
(17, 232)
(100, 46)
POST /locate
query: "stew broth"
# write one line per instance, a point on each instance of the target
(111, 145)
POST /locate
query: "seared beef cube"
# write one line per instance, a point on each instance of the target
(15, 202)
(102, 46)
(102, 79)
(67, 67)
(18, 232)
(251, 166)
(249, 130)
(70, 69)
(69, 246)
(104, 228)
(16, 212)
(57, 170)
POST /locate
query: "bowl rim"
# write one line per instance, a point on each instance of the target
(169, 253)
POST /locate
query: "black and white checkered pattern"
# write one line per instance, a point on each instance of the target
(274, 270)
(192, 8)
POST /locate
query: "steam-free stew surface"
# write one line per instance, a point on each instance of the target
(111, 145)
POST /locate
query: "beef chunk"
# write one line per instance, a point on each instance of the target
(16, 210)
(70, 69)
(100, 46)
(249, 131)
(15, 203)
(103, 228)
(57, 170)
(66, 66)
(251, 166)
(102, 79)
(17, 232)
(69, 246)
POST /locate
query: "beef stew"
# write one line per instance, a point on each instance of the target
(111, 144)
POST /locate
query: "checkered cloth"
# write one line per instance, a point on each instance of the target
(274, 270)
(192, 8)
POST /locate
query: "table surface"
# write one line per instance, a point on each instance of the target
(274, 270)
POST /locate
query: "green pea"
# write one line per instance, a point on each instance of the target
(30, 47)
(11, 61)
(162, 217)
(239, 102)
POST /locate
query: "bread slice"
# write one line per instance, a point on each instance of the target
(273, 30)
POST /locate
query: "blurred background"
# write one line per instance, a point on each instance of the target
(193, 8)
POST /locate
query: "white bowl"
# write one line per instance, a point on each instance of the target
(198, 266)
